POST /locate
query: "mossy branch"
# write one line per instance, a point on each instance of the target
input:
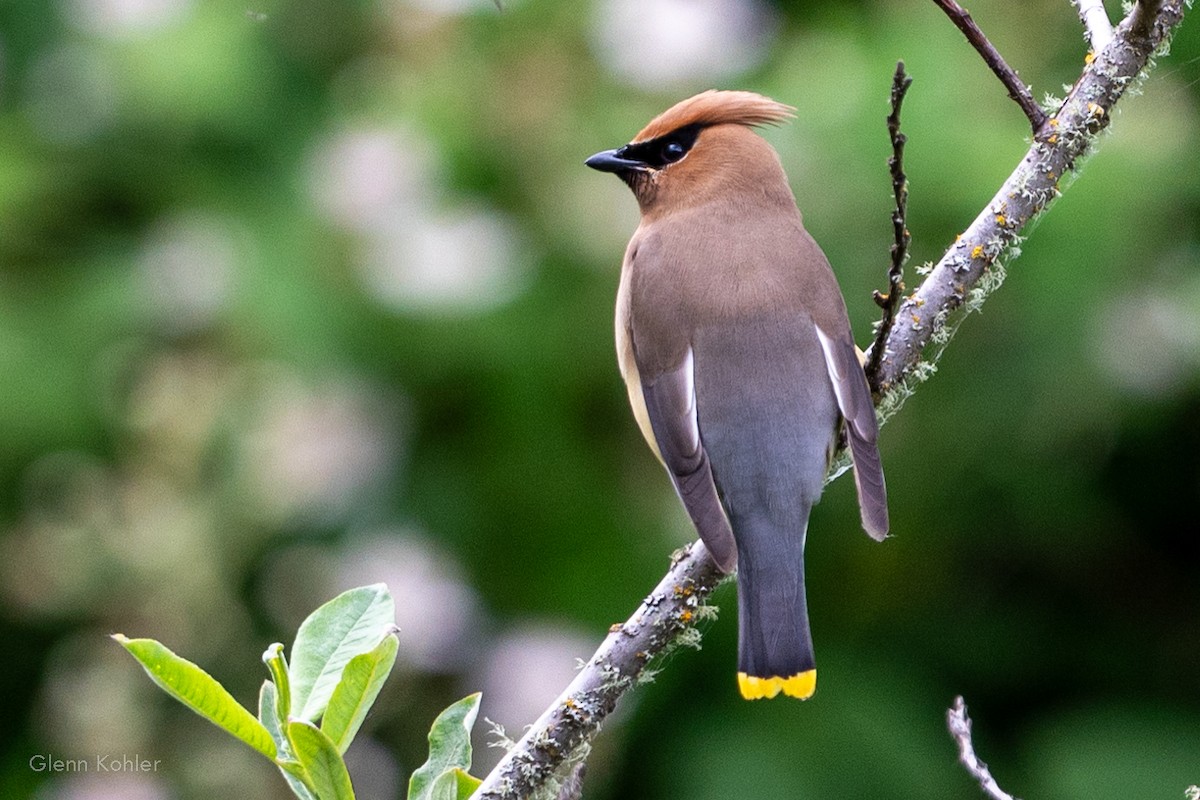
(974, 263)
(559, 740)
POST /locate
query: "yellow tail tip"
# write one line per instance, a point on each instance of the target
(801, 685)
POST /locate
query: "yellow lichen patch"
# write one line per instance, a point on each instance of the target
(1001, 219)
(685, 616)
(1089, 58)
(801, 686)
(977, 252)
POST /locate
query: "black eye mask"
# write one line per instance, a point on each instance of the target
(664, 150)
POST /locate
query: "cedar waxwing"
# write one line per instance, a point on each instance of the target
(734, 343)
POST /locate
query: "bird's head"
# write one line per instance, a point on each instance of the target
(700, 148)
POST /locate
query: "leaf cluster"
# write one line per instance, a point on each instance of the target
(310, 711)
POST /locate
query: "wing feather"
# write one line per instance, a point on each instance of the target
(671, 407)
(862, 429)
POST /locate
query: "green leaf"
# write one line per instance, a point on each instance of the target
(277, 665)
(293, 773)
(355, 693)
(199, 691)
(454, 784)
(467, 784)
(298, 779)
(449, 750)
(348, 625)
(321, 760)
(268, 706)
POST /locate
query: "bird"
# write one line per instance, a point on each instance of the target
(735, 346)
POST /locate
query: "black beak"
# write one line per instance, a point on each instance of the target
(611, 161)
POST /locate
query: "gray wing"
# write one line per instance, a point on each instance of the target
(671, 407)
(862, 430)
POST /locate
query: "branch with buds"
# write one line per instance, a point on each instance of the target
(974, 263)
(899, 251)
(538, 764)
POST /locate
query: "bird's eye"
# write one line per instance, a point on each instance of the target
(659, 152)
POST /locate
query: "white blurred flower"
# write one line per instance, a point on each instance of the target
(436, 610)
(102, 786)
(652, 43)
(457, 260)
(363, 177)
(413, 255)
(186, 269)
(312, 450)
(122, 18)
(527, 668)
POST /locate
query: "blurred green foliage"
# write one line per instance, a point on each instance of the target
(285, 283)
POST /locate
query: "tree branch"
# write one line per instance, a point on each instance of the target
(1017, 90)
(972, 267)
(1095, 22)
(560, 738)
(959, 725)
(899, 250)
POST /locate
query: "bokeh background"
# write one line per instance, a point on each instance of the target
(301, 295)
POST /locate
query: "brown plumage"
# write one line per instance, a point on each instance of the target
(717, 108)
(735, 346)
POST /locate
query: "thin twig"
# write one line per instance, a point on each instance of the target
(1017, 90)
(560, 737)
(891, 301)
(960, 728)
(1095, 22)
(952, 283)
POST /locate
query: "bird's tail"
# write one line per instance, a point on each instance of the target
(775, 652)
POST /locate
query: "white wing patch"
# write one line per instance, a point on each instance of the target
(852, 407)
(831, 363)
(688, 368)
